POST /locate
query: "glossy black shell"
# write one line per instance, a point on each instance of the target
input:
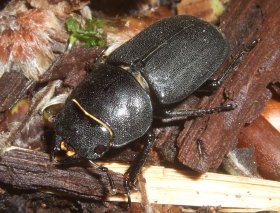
(113, 96)
(175, 55)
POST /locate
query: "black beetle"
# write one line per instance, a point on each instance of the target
(119, 99)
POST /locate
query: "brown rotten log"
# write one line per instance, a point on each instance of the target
(205, 141)
(33, 170)
(13, 86)
(26, 169)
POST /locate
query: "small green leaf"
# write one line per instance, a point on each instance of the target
(72, 25)
(91, 33)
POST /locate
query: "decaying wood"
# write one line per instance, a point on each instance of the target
(33, 170)
(13, 85)
(26, 169)
(38, 101)
(205, 141)
(44, 202)
(71, 66)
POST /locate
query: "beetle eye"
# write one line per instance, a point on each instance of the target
(100, 149)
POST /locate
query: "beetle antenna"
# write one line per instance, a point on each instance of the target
(113, 190)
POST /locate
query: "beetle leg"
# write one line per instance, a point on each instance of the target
(110, 179)
(135, 168)
(177, 115)
(214, 84)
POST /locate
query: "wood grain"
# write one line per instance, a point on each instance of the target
(32, 170)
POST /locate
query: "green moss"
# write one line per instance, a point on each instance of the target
(91, 32)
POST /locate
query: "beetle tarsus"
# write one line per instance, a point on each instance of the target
(113, 189)
(127, 191)
(252, 44)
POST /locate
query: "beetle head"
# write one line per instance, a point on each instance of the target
(80, 135)
(69, 151)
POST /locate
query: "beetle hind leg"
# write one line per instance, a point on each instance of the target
(213, 84)
(178, 115)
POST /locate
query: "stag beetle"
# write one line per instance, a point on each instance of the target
(119, 99)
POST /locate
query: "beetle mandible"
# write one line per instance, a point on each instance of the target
(119, 99)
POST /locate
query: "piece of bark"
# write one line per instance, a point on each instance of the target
(35, 202)
(205, 141)
(71, 66)
(33, 170)
(13, 85)
(38, 101)
(40, 202)
(165, 145)
(265, 140)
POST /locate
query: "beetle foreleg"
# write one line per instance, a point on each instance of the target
(105, 169)
(135, 168)
(170, 115)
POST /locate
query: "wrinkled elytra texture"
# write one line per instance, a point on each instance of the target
(175, 55)
(113, 96)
